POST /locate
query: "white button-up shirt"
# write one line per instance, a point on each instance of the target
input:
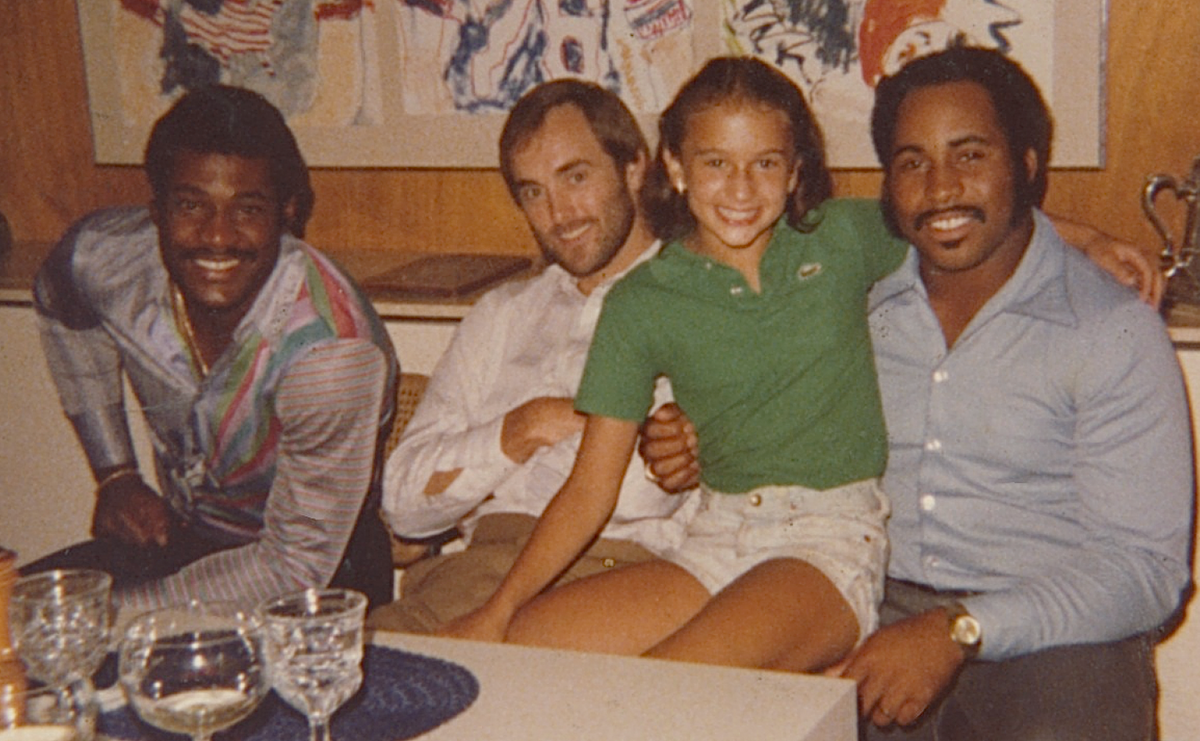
(523, 340)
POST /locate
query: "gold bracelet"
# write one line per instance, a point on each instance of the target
(120, 473)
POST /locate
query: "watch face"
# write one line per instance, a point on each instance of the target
(966, 630)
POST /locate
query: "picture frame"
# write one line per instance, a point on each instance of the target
(364, 86)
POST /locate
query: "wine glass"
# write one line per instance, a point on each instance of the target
(59, 622)
(194, 669)
(46, 713)
(314, 648)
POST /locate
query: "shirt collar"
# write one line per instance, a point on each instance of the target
(1037, 288)
(268, 312)
(567, 282)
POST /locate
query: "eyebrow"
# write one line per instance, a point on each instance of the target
(971, 139)
(572, 165)
(567, 167)
(961, 141)
(189, 189)
(724, 152)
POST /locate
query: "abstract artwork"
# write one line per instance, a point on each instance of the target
(142, 54)
(837, 50)
(459, 56)
(427, 83)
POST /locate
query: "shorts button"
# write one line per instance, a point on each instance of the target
(755, 500)
(609, 563)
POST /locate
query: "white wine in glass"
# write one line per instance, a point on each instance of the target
(194, 669)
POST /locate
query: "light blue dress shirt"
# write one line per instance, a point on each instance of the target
(1044, 461)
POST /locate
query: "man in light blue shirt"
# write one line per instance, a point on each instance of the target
(1040, 460)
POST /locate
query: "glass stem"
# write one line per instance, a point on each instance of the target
(318, 729)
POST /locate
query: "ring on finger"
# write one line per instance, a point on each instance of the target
(651, 476)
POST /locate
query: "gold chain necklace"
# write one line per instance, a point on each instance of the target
(184, 324)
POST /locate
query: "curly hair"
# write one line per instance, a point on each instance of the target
(220, 119)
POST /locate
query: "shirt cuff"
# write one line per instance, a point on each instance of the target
(104, 435)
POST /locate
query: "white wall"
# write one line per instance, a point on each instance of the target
(45, 486)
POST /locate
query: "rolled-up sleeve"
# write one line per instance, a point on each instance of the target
(83, 359)
(450, 431)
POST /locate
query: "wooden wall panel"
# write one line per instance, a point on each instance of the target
(47, 175)
(1153, 102)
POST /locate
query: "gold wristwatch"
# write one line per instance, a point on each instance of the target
(964, 630)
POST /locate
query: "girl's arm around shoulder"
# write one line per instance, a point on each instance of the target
(1125, 261)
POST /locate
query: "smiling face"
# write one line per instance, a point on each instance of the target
(219, 227)
(737, 168)
(950, 182)
(576, 199)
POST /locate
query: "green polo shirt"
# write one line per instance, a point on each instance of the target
(780, 384)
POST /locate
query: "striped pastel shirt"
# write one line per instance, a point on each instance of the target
(273, 451)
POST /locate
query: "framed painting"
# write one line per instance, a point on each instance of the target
(427, 83)
(836, 50)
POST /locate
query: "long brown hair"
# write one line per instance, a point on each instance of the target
(736, 79)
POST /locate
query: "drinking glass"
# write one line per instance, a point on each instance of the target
(45, 713)
(59, 622)
(314, 647)
(193, 669)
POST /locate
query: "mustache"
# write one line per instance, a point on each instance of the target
(973, 211)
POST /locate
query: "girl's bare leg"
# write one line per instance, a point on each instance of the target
(782, 614)
(623, 611)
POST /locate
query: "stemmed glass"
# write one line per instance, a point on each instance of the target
(45, 714)
(59, 621)
(193, 669)
(314, 647)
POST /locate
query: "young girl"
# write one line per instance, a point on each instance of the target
(759, 321)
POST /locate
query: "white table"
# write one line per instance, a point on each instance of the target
(532, 694)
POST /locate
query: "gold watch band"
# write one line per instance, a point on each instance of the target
(965, 630)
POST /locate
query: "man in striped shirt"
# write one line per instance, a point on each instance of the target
(265, 377)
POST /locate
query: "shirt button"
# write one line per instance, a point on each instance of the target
(928, 502)
(932, 561)
(609, 563)
(755, 500)
(940, 375)
(735, 291)
(934, 445)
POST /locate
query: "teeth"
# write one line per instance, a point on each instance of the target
(574, 233)
(734, 214)
(227, 263)
(947, 223)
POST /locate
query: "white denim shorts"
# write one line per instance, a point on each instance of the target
(840, 531)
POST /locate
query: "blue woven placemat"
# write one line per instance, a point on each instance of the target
(403, 695)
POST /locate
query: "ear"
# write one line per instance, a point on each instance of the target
(675, 172)
(1031, 165)
(289, 214)
(794, 180)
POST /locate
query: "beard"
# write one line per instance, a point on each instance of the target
(616, 222)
